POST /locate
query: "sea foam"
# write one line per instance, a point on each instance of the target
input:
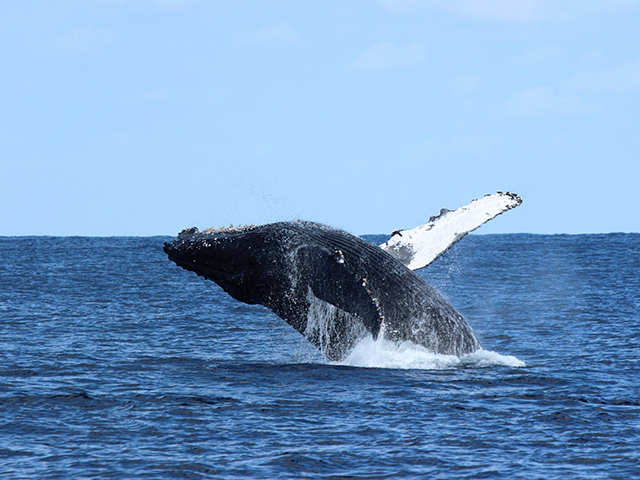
(383, 353)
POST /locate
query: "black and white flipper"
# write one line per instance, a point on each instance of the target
(420, 246)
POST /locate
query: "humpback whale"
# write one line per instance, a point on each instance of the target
(336, 288)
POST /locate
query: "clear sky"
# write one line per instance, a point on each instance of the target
(143, 117)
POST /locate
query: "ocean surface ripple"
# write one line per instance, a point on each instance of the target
(117, 364)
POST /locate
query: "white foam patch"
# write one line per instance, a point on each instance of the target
(407, 355)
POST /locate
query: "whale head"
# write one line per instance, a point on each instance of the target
(241, 260)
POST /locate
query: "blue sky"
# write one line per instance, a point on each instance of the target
(143, 117)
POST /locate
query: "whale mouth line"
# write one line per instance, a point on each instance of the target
(203, 270)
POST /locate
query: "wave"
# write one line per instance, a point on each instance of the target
(383, 353)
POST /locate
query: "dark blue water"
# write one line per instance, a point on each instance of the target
(115, 363)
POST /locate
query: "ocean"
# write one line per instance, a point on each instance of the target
(118, 364)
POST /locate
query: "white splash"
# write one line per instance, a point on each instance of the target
(326, 323)
(407, 355)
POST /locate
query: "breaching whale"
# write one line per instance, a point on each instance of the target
(336, 288)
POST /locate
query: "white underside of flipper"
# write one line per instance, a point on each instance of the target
(420, 246)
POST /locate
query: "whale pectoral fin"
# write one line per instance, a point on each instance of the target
(420, 246)
(332, 281)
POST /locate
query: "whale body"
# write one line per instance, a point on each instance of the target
(335, 288)
(331, 286)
